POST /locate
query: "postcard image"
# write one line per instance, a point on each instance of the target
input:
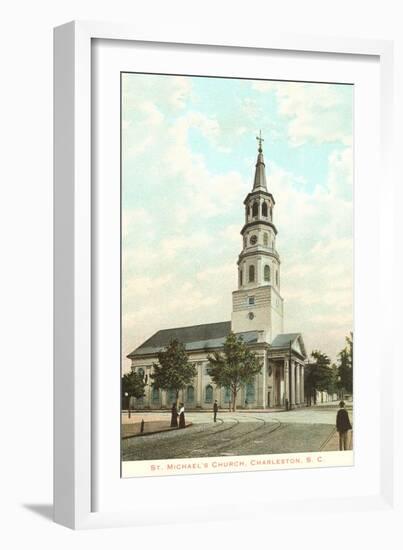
(236, 274)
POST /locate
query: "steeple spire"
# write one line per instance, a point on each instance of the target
(260, 173)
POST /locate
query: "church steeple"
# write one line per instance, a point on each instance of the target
(257, 304)
(260, 172)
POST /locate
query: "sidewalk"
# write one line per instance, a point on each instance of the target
(334, 404)
(332, 444)
(155, 412)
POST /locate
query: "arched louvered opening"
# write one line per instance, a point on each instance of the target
(251, 273)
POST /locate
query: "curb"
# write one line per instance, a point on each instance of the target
(156, 432)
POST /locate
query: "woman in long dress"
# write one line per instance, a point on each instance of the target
(182, 423)
(174, 416)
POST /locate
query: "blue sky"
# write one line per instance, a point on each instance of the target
(188, 156)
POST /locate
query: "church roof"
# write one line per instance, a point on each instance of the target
(209, 336)
(282, 341)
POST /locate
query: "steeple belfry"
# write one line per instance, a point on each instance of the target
(257, 304)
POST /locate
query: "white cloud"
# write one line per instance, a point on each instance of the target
(132, 219)
(263, 85)
(213, 273)
(206, 193)
(170, 246)
(135, 287)
(314, 111)
(315, 245)
(341, 173)
(181, 90)
(232, 233)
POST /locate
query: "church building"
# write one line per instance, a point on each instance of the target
(257, 316)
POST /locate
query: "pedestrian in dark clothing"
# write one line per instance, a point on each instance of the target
(174, 416)
(343, 425)
(215, 410)
(182, 423)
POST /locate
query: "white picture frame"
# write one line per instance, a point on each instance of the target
(77, 471)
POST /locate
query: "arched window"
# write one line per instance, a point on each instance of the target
(250, 393)
(277, 277)
(240, 277)
(255, 209)
(209, 394)
(265, 239)
(227, 395)
(140, 372)
(190, 394)
(267, 273)
(251, 273)
(264, 209)
(155, 395)
(171, 396)
(271, 213)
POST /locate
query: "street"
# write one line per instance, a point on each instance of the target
(235, 434)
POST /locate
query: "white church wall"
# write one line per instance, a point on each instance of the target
(241, 320)
(200, 383)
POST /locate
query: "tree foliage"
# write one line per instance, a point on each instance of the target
(345, 367)
(319, 376)
(173, 370)
(133, 384)
(233, 368)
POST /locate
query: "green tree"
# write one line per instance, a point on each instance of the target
(133, 385)
(173, 370)
(345, 367)
(333, 384)
(319, 376)
(233, 368)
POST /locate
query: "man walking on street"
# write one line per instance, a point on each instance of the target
(343, 425)
(215, 410)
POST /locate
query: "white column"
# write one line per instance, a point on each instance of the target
(199, 390)
(297, 385)
(260, 384)
(286, 381)
(147, 389)
(277, 385)
(280, 384)
(302, 395)
(292, 374)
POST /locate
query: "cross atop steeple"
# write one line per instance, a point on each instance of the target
(260, 139)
